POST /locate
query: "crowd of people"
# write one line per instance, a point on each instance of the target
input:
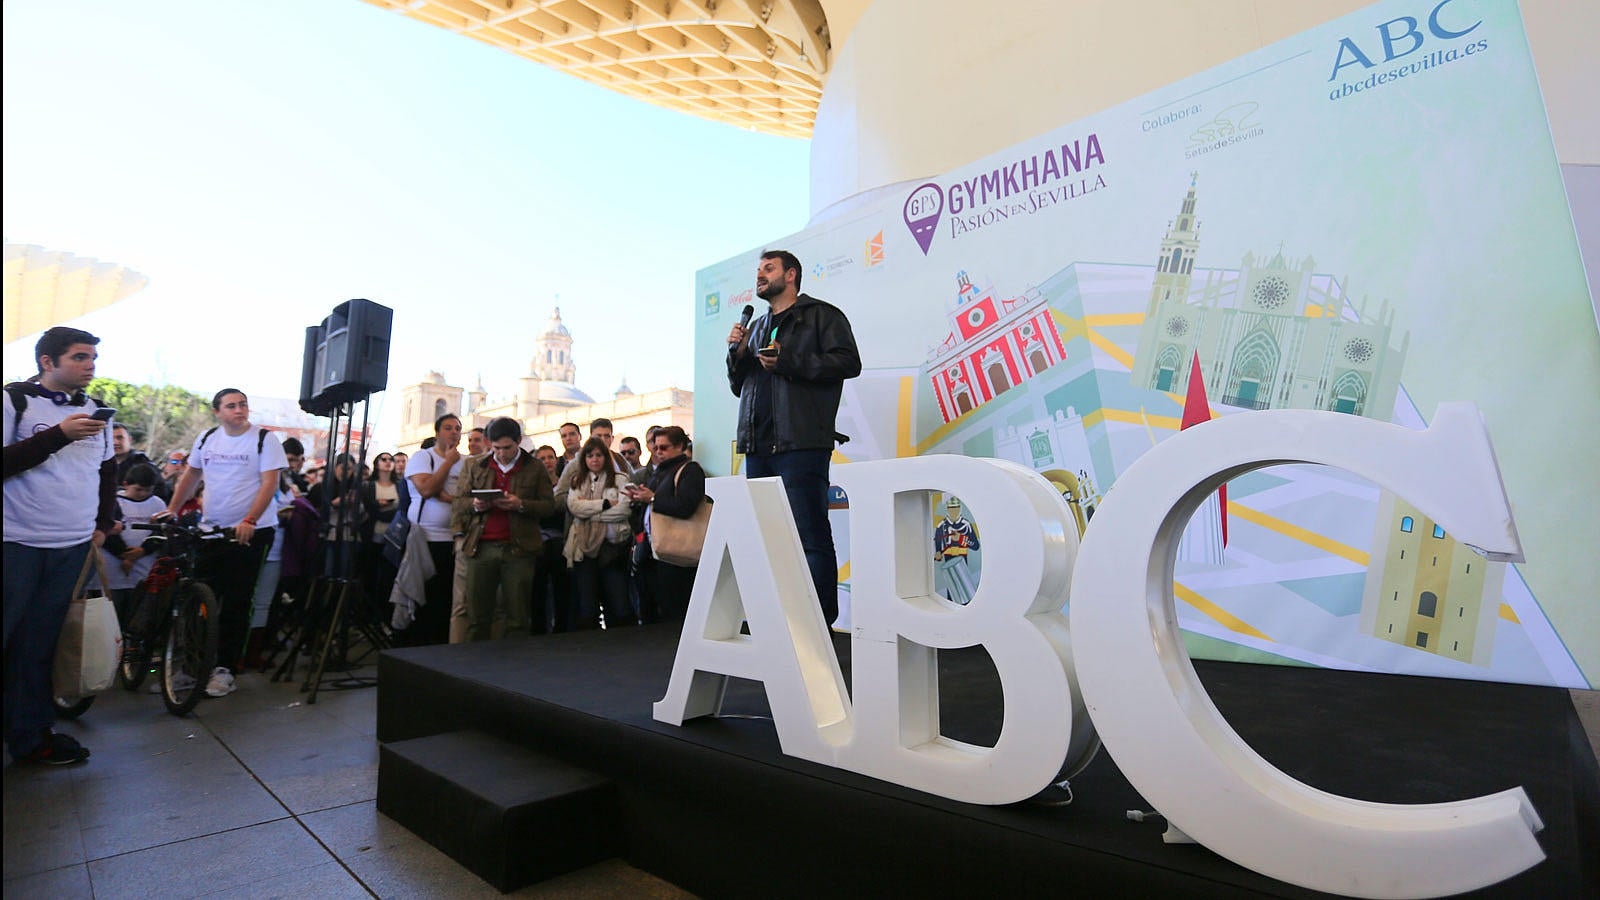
(521, 542)
(474, 537)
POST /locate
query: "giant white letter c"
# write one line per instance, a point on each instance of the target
(1169, 739)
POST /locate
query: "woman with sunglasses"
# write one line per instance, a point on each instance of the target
(382, 496)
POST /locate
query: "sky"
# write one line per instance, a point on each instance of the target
(264, 161)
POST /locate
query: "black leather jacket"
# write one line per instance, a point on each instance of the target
(817, 352)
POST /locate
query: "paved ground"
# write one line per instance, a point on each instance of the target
(255, 795)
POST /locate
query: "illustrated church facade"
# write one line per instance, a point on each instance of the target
(545, 398)
(1272, 334)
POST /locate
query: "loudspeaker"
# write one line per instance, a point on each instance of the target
(310, 365)
(353, 356)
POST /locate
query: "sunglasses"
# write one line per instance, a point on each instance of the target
(176, 461)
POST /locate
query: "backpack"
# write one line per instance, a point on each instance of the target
(19, 404)
(261, 439)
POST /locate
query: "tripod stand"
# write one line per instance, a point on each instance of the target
(337, 602)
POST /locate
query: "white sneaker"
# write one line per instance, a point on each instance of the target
(221, 683)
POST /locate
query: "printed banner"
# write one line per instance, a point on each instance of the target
(1367, 218)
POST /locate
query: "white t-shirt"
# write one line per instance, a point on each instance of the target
(134, 512)
(232, 469)
(53, 504)
(434, 518)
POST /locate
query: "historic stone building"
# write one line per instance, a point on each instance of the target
(545, 397)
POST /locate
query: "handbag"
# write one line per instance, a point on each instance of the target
(679, 541)
(90, 645)
(394, 537)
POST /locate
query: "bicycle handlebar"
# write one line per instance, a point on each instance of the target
(200, 531)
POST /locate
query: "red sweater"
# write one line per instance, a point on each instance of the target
(497, 526)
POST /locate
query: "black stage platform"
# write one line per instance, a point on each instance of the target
(717, 809)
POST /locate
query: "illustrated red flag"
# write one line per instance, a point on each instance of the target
(1197, 409)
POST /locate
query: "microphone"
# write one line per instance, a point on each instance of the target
(744, 322)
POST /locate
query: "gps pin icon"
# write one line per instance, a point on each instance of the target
(922, 212)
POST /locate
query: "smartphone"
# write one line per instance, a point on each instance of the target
(487, 494)
(768, 352)
(102, 414)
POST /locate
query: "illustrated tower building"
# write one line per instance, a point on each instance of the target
(1427, 591)
(1174, 275)
(1175, 264)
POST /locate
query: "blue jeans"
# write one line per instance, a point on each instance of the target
(38, 589)
(601, 586)
(805, 480)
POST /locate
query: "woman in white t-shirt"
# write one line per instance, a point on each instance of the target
(433, 474)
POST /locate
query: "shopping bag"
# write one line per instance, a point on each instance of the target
(90, 645)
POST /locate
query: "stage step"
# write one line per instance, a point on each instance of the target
(512, 816)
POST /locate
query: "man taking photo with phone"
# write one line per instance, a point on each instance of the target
(60, 500)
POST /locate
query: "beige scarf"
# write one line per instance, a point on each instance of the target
(587, 534)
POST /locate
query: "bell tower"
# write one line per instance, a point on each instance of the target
(1176, 261)
(425, 401)
(552, 353)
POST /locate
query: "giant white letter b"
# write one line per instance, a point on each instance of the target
(1029, 542)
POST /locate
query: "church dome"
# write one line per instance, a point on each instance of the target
(435, 378)
(562, 394)
(554, 328)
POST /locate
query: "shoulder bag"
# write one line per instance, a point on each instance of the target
(394, 537)
(679, 541)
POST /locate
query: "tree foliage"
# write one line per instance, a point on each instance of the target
(159, 418)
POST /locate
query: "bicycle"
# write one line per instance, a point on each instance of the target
(177, 614)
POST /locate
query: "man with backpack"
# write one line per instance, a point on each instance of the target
(60, 500)
(240, 465)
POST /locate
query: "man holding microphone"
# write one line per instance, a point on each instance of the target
(788, 370)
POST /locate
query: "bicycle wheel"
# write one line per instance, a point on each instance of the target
(75, 709)
(142, 636)
(191, 647)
